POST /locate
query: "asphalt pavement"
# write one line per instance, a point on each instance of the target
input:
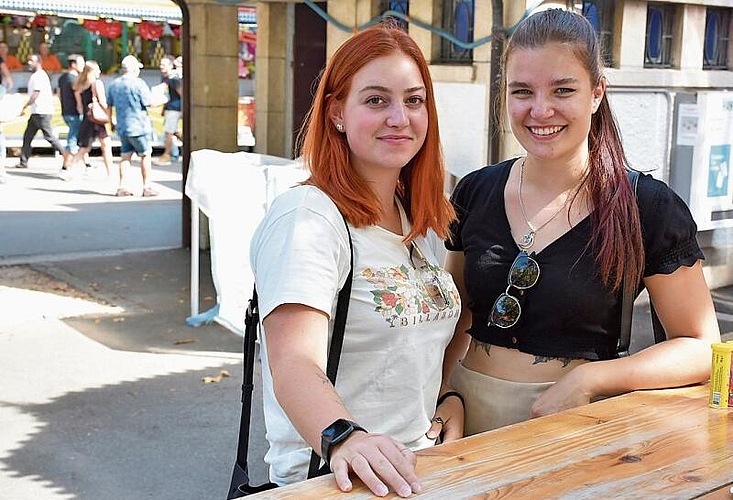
(103, 387)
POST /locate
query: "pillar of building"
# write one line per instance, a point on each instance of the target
(508, 144)
(691, 43)
(633, 42)
(353, 14)
(270, 82)
(213, 66)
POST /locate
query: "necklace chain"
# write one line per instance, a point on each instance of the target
(527, 240)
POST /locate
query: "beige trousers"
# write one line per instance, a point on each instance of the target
(493, 402)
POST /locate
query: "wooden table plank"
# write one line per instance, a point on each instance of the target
(647, 444)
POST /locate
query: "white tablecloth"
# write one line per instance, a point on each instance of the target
(234, 190)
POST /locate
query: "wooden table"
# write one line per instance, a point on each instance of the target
(663, 444)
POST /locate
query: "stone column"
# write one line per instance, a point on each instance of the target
(212, 73)
(270, 83)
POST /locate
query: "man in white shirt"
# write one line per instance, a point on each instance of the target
(40, 100)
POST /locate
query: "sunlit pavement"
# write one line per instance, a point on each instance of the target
(102, 391)
(45, 214)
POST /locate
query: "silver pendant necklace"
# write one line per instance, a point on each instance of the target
(527, 240)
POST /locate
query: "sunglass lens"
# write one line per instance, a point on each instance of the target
(505, 312)
(524, 271)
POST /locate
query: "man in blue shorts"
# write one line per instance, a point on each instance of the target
(130, 97)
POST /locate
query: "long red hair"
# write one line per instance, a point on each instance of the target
(325, 151)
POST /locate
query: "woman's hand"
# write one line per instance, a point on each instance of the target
(448, 420)
(379, 461)
(568, 392)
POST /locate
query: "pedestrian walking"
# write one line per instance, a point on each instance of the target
(171, 109)
(69, 110)
(40, 101)
(130, 97)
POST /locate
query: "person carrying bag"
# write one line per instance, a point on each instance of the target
(372, 147)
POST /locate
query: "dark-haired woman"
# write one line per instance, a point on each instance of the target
(542, 243)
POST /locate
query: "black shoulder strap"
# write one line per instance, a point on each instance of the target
(629, 294)
(251, 322)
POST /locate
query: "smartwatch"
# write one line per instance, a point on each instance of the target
(335, 433)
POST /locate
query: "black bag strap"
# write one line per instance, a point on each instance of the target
(251, 322)
(629, 294)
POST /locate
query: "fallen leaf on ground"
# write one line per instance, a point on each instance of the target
(217, 379)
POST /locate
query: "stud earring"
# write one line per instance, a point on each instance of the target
(340, 127)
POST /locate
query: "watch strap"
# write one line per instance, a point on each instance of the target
(327, 445)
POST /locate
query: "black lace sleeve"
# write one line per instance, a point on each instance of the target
(668, 229)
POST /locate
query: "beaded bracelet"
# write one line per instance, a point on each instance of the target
(449, 394)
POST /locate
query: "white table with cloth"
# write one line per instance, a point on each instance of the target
(234, 190)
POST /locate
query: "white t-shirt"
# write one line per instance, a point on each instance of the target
(39, 81)
(390, 369)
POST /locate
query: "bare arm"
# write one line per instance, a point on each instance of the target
(7, 77)
(682, 300)
(31, 99)
(101, 93)
(297, 340)
(79, 105)
(451, 410)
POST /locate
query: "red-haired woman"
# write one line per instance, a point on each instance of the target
(542, 243)
(372, 146)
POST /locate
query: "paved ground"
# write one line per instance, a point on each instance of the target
(43, 214)
(101, 382)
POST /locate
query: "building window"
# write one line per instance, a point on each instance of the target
(718, 26)
(458, 21)
(660, 24)
(600, 14)
(401, 6)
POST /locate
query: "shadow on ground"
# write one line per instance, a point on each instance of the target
(168, 436)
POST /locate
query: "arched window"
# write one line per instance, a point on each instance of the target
(717, 39)
(660, 22)
(458, 20)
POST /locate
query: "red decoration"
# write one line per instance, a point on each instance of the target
(111, 29)
(176, 30)
(39, 22)
(149, 30)
(92, 25)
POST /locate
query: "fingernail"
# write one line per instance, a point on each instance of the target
(416, 487)
(404, 492)
(381, 490)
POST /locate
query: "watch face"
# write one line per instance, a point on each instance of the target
(337, 430)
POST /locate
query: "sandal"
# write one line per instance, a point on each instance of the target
(149, 192)
(123, 192)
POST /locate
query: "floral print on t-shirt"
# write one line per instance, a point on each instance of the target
(403, 299)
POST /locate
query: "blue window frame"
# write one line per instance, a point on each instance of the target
(660, 24)
(458, 20)
(401, 6)
(716, 51)
(600, 14)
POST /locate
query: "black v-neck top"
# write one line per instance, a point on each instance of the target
(568, 313)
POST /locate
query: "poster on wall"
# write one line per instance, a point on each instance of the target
(718, 170)
(711, 191)
(687, 124)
